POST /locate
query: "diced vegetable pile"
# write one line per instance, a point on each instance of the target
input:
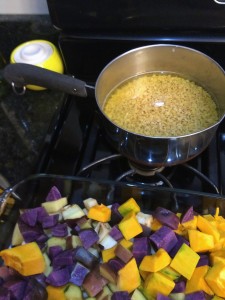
(63, 251)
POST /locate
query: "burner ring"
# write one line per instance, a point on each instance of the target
(144, 171)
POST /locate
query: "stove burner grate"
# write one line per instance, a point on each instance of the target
(154, 177)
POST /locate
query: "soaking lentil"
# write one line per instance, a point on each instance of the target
(161, 105)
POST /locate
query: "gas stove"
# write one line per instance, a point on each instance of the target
(89, 40)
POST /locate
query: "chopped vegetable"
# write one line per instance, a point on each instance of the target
(197, 281)
(164, 238)
(88, 237)
(129, 277)
(128, 206)
(207, 227)
(215, 278)
(200, 241)
(157, 283)
(140, 248)
(100, 213)
(78, 274)
(185, 261)
(123, 253)
(188, 215)
(53, 194)
(129, 226)
(113, 252)
(27, 259)
(55, 205)
(167, 217)
(156, 261)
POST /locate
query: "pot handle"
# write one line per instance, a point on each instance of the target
(19, 75)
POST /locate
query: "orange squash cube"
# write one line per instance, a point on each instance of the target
(129, 205)
(129, 277)
(129, 226)
(215, 278)
(157, 283)
(108, 254)
(199, 241)
(99, 212)
(185, 261)
(155, 262)
(55, 292)
(192, 224)
(27, 259)
(207, 227)
(217, 256)
(197, 281)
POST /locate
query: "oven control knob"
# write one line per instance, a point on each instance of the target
(41, 53)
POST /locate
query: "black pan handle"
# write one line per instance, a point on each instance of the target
(20, 75)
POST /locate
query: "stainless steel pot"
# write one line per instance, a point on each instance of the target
(143, 151)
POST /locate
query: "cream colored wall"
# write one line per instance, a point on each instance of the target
(23, 7)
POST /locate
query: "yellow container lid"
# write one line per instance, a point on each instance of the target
(40, 53)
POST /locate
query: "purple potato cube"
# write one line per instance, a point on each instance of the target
(85, 257)
(16, 286)
(196, 296)
(164, 238)
(78, 274)
(160, 296)
(50, 221)
(115, 233)
(53, 251)
(167, 217)
(188, 215)
(60, 230)
(179, 287)
(88, 237)
(116, 264)
(120, 296)
(53, 194)
(59, 277)
(29, 233)
(64, 258)
(140, 248)
(204, 260)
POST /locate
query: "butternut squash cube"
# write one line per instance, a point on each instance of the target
(26, 259)
(217, 256)
(220, 245)
(157, 283)
(129, 205)
(197, 281)
(207, 227)
(126, 244)
(192, 224)
(185, 261)
(99, 212)
(155, 262)
(217, 298)
(108, 254)
(56, 292)
(129, 226)
(199, 241)
(215, 277)
(128, 277)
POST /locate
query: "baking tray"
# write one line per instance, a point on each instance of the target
(33, 190)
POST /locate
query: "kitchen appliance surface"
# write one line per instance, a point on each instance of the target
(88, 41)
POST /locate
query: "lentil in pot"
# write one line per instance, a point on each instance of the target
(161, 105)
